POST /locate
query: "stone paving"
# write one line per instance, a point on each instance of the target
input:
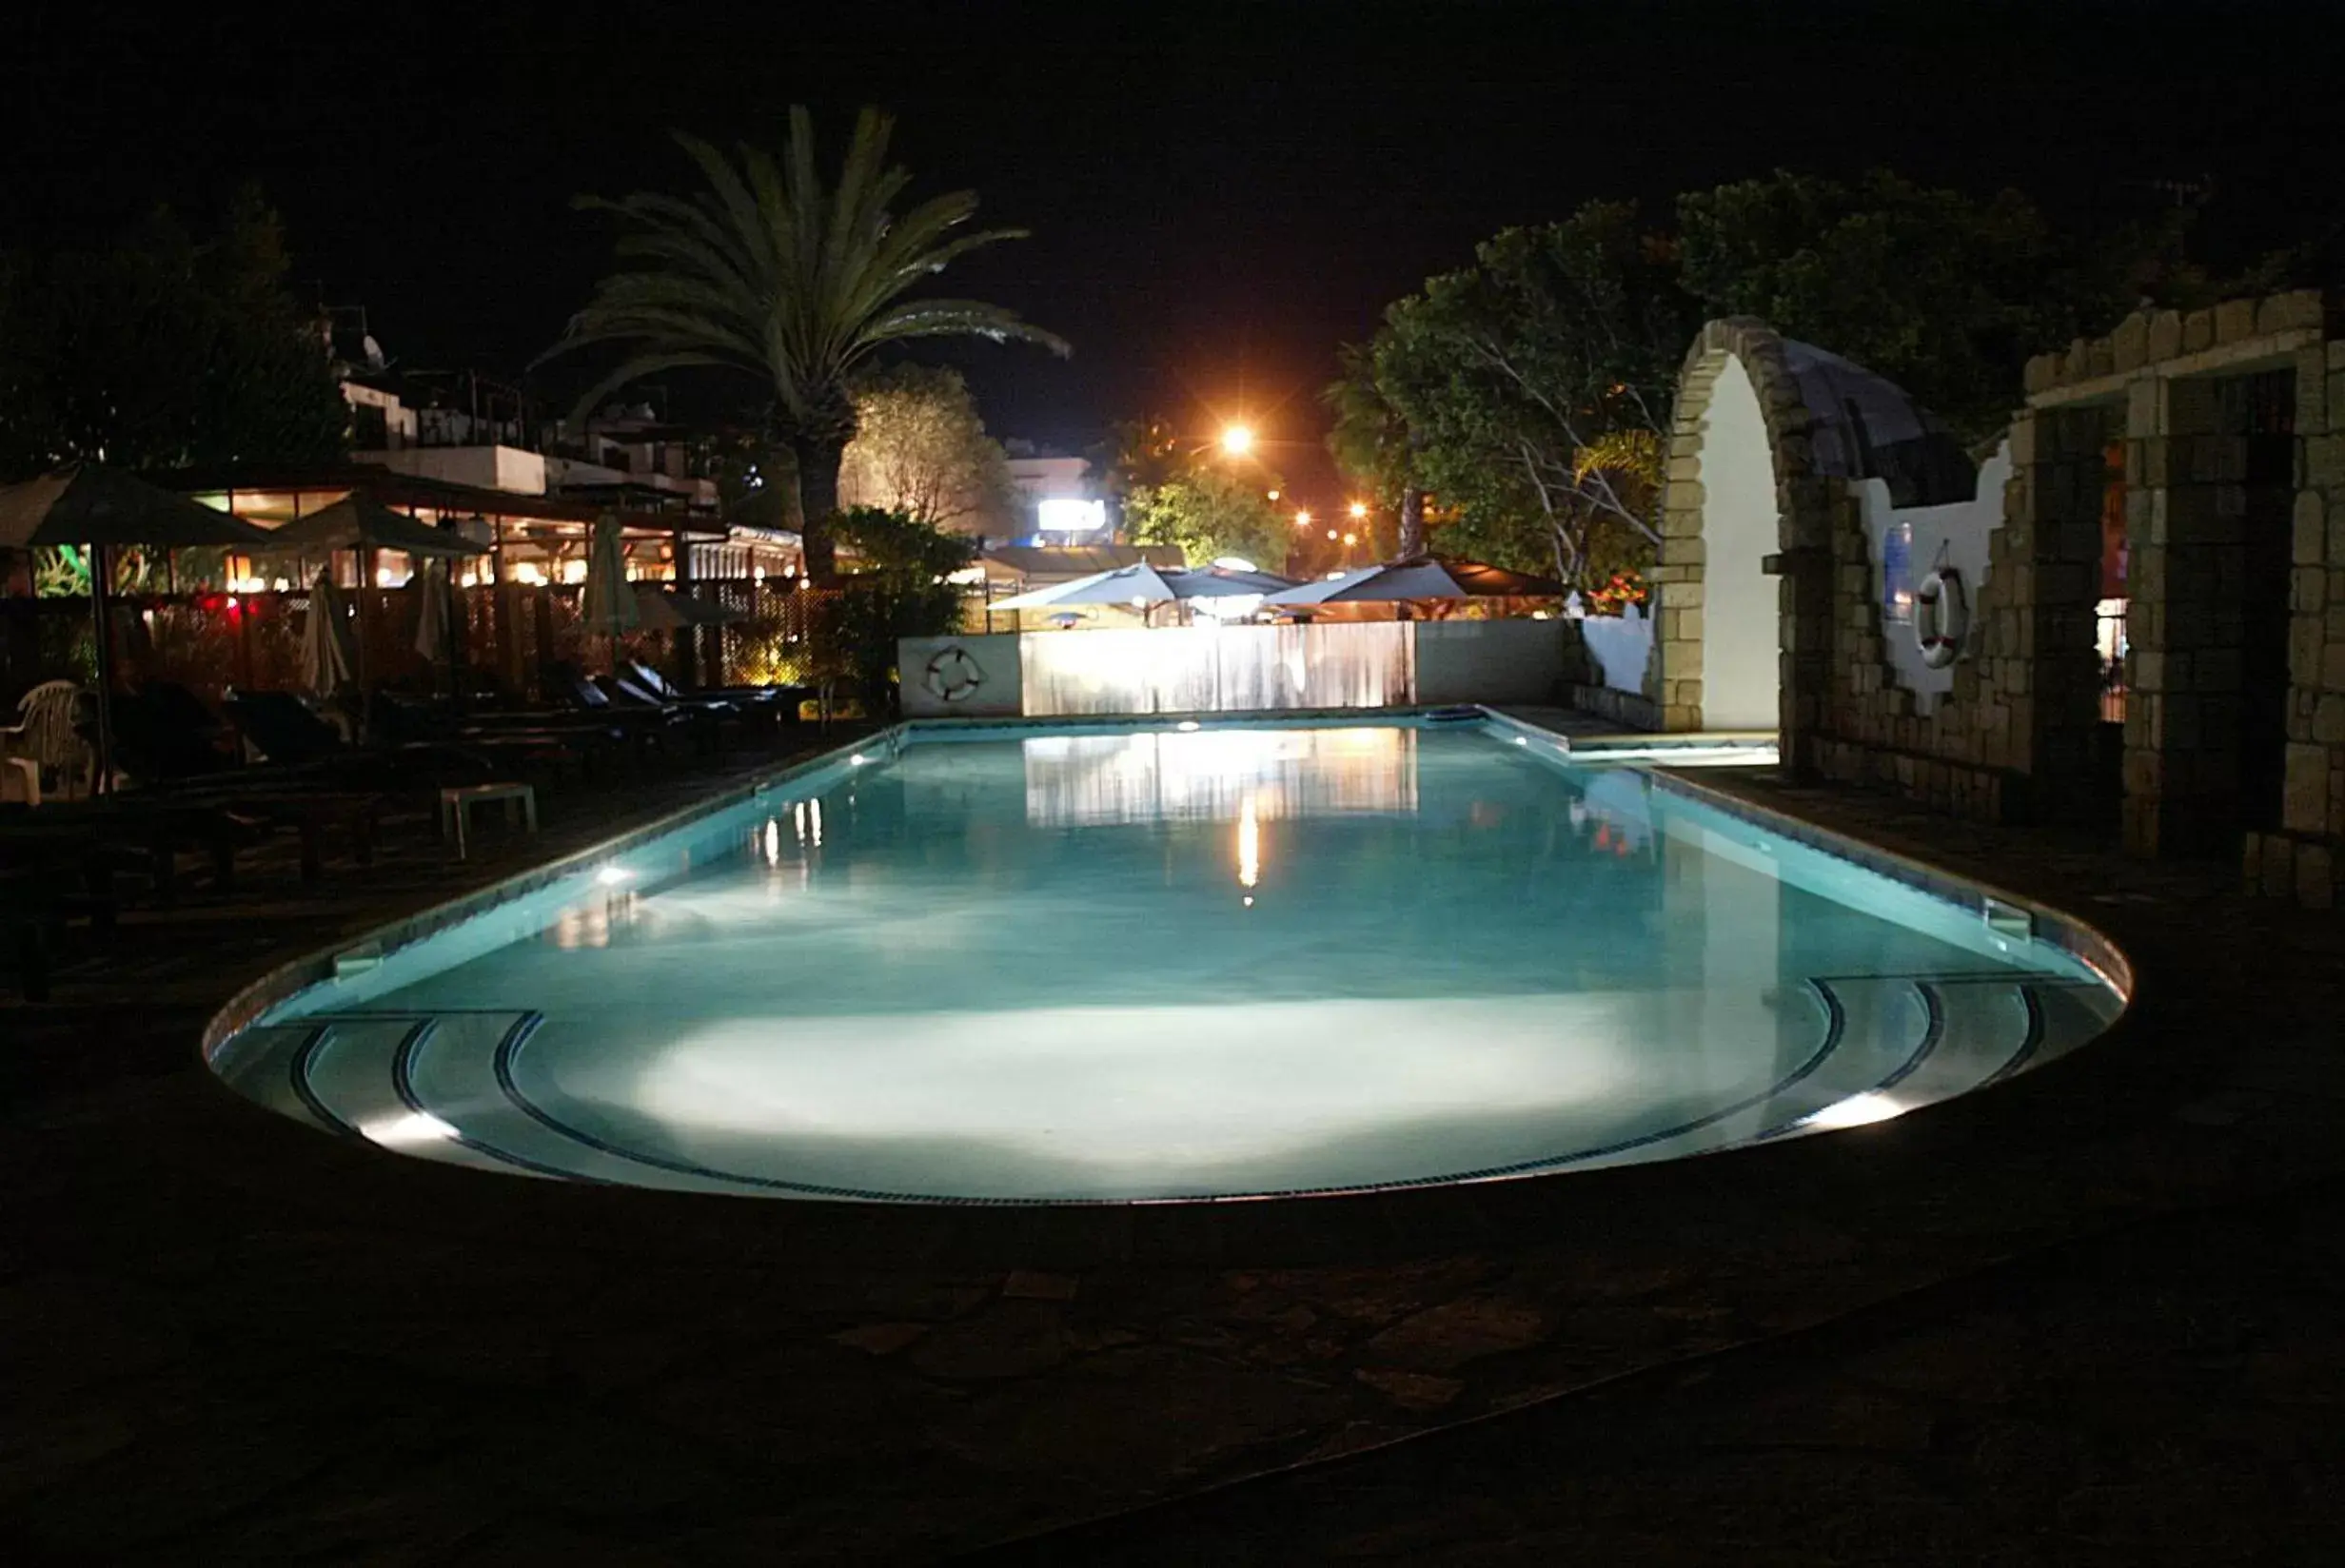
(2089, 1316)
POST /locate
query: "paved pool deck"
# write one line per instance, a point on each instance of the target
(2092, 1315)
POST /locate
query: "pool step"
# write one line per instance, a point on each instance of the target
(1914, 1039)
(433, 1084)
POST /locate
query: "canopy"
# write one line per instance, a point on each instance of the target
(1146, 584)
(661, 610)
(93, 504)
(1423, 577)
(358, 521)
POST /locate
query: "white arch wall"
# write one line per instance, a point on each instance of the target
(1742, 677)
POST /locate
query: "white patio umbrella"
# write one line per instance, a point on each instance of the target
(328, 663)
(431, 609)
(608, 605)
(1143, 587)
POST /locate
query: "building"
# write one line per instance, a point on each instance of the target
(1059, 504)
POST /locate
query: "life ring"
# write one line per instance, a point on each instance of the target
(1942, 617)
(953, 674)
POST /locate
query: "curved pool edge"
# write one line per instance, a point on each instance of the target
(289, 978)
(2080, 939)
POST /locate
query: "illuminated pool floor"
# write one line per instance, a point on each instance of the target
(1176, 964)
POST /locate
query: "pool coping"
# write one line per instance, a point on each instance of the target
(1102, 1219)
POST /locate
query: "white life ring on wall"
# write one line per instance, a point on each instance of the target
(1942, 617)
(952, 676)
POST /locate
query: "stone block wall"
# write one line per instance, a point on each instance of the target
(2016, 740)
(2012, 739)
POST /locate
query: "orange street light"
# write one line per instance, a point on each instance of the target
(1302, 519)
(1330, 533)
(1352, 538)
(1237, 439)
(1359, 510)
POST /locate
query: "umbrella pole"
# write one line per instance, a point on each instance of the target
(99, 566)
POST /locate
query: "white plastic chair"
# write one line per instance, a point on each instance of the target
(44, 735)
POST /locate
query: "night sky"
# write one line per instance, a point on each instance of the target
(1219, 194)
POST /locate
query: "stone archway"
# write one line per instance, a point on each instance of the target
(1744, 519)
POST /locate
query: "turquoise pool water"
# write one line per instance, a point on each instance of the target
(1172, 963)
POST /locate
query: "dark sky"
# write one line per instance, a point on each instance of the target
(1219, 193)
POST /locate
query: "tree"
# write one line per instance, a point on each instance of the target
(1943, 294)
(1536, 387)
(1141, 454)
(920, 449)
(770, 274)
(164, 350)
(1209, 513)
(1372, 443)
(900, 589)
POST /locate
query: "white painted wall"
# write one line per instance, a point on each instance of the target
(991, 662)
(1741, 642)
(1963, 530)
(1618, 648)
(506, 468)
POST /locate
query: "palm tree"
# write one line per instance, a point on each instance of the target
(769, 273)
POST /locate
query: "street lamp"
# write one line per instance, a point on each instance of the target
(1302, 519)
(1359, 510)
(1237, 439)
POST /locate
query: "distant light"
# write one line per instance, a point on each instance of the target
(1237, 441)
(1186, 726)
(1273, 494)
(1359, 509)
(231, 601)
(1330, 533)
(1522, 740)
(1857, 1111)
(1070, 515)
(1352, 538)
(610, 876)
(1249, 901)
(1302, 519)
(1235, 563)
(858, 759)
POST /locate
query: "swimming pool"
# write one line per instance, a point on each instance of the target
(1154, 962)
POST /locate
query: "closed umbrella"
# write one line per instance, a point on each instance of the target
(607, 607)
(431, 610)
(328, 661)
(101, 508)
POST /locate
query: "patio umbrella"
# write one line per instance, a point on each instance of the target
(607, 607)
(102, 508)
(328, 661)
(658, 610)
(1143, 587)
(431, 610)
(358, 521)
(1396, 581)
